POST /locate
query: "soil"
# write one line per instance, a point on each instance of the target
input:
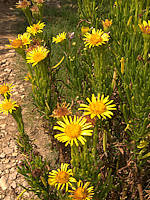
(12, 71)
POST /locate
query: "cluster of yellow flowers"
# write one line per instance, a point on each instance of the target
(73, 129)
(63, 178)
(7, 105)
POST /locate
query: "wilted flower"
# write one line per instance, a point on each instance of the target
(106, 24)
(39, 1)
(61, 110)
(23, 4)
(34, 9)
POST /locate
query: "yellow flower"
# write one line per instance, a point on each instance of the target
(25, 38)
(36, 55)
(106, 24)
(23, 4)
(36, 28)
(59, 38)
(28, 77)
(96, 38)
(100, 107)
(82, 192)
(16, 43)
(62, 177)
(84, 29)
(6, 89)
(145, 27)
(62, 110)
(73, 130)
(7, 106)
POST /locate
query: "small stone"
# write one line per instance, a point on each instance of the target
(3, 183)
(13, 176)
(6, 161)
(14, 154)
(8, 150)
(7, 198)
(2, 116)
(13, 185)
(3, 61)
(2, 126)
(2, 155)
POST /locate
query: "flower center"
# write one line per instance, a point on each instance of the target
(62, 177)
(97, 107)
(73, 130)
(4, 89)
(7, 106)
(95, 39)
(38, 56)
(80, 193)
(16, 43)
(60, 39)
(36, 27)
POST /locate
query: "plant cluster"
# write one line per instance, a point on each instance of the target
(95, 99)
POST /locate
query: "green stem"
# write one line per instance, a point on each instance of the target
(60, 195)
(95, 139)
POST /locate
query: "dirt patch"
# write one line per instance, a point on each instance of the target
(12, 71)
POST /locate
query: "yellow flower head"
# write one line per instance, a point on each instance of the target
(36, 28)
(28, 77)
(36, 55)
(73, 130)
(59, 38)
(84, 29)
(82, 192)
(62, 110)
(16, 43)
(7, 106)
(100, 107)
(62, 177)
(25, 38)
(96, 38)
(23, 4)
(106, 24)
(145, 27)
(6, 89)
